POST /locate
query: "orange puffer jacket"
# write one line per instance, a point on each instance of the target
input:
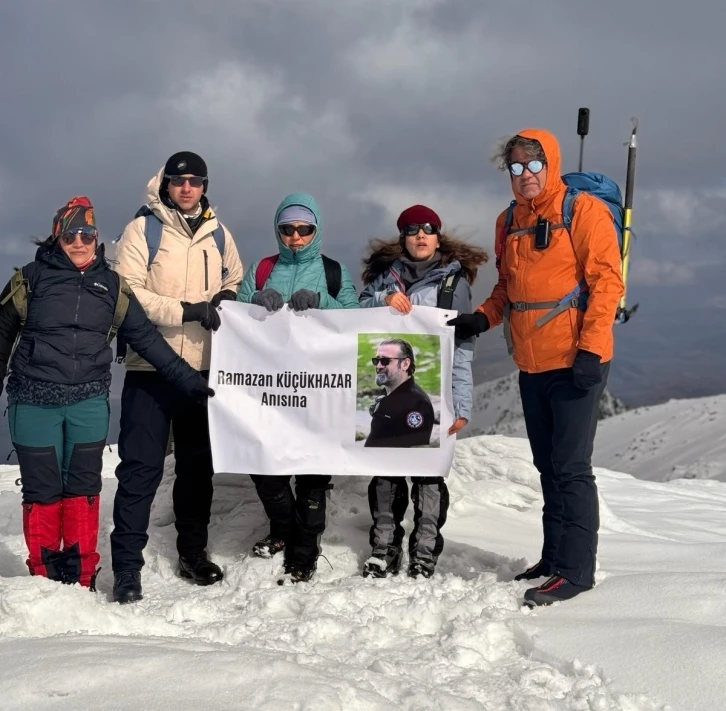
(530, 275)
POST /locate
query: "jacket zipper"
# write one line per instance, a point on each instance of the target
(294, 273)
(75, 324)
(206, 270)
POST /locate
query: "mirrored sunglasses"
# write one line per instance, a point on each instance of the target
(533, 166)
(88, 235)
(383, 360)
(427, 227)
(302, 230)
(195, 181)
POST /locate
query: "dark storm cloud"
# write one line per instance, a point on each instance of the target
(365, 104)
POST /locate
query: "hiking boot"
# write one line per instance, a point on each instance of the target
(541, 569)
(380, 564)
(127, 586)
(555, 589)
(421, 567)
(199, 569)
(268, 547)
(296, 574)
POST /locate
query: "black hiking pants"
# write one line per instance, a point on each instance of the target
(561, 422)
(388, 501)
(298, 520)
(149, 407)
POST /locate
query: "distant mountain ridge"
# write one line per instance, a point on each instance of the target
(498, 409)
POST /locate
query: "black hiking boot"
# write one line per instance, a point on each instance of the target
(541, 569)
(421, 567)
(296, 574)
(268, 547)
(127, 586)
(555, 589)
(381, 564)
(199, 569)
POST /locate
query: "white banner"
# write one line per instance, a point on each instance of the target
(353, 392)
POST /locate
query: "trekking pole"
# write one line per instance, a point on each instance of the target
(623, 313)
(583, 127)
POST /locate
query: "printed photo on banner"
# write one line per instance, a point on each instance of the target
(398, 395)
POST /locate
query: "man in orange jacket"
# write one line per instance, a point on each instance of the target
(562, 348)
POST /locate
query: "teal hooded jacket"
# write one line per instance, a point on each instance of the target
(302, 269)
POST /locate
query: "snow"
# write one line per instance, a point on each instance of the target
(677, 439)
(649, 636)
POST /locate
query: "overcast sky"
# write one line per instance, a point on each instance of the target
(370, 105)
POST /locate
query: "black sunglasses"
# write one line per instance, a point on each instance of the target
(195, 181)
(88, 236)
(302, 230)
(383, 360)
(533, 166)
(427, 227)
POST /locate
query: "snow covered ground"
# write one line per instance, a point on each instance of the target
(677, 439)
(649, 636)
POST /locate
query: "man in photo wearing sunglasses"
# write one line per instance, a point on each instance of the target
(562, 346)
(404, 416)
(180, 286)
(302, 277)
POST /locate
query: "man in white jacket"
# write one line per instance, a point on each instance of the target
(181, 262)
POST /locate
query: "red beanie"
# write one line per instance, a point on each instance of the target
(418, 215)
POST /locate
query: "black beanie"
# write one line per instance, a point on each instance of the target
(186, 163)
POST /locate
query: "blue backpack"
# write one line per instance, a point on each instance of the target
(601, 187)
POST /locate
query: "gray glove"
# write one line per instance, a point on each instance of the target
(269, 298)
(304, 299)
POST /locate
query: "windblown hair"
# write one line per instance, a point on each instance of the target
(502, 155)
(385, 252)
(404, 348)
(43, 241)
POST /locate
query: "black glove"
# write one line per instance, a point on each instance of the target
(203, 312)
(469, 325)
(226, 295)
(304, 299)
(201, 391)
(269, 298)
(586, 371)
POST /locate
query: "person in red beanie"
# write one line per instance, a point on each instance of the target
(63, 310)
(421, 266)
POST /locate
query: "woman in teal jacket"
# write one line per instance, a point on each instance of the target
(298, 277)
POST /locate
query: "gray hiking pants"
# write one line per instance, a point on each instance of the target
(388, 500)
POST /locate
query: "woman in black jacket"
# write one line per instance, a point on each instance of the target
(60, 320)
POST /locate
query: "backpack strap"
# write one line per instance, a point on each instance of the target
(504, 232)
(152, 232)
(122, 307)
(219, 240)
(263, 271)
(333, 275)
(447, 288)
(19, 294)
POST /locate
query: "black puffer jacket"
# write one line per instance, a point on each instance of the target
(63, 345)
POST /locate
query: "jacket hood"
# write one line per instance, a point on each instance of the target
(153, 197)
(553, 184)
(311, 250)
